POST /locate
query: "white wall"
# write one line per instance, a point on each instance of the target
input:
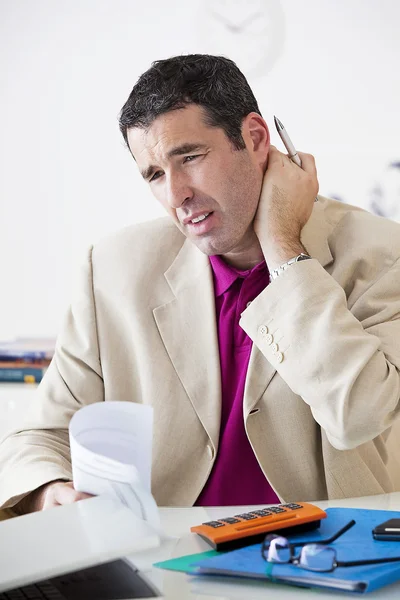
(67, 68)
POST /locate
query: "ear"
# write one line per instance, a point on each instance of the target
(256, 135)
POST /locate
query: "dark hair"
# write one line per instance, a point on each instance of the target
(212, 82)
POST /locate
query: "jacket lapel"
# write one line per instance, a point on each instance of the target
(187, 326)
(260, 372)
(259, 375)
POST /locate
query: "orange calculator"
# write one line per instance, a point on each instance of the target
(244, 529)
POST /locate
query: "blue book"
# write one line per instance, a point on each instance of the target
(22, 375)
(22, 356)
(356, 544)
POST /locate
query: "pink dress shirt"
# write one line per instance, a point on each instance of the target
(236, 477)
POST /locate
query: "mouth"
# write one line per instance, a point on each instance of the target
(196, 218)
(199, 224)
(199, 219)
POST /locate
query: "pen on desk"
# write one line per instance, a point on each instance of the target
(287, 142)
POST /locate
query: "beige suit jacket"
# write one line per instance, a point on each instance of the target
(142, 328)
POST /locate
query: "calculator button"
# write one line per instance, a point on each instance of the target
(293, 506)
(246, 516)
(277, 509)
(230, 520)
(261, 513)
(214, 524)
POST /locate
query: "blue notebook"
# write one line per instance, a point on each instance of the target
(356, 544)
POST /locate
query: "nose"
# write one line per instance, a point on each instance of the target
(178, 190)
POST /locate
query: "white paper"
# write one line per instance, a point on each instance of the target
(111, 445)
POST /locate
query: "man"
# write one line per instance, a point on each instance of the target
(262, 390)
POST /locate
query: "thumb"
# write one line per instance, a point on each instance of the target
(65, 493)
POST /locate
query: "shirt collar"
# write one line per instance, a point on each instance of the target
(225, 275)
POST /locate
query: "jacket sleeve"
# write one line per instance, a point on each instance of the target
(343, 361)
(36, 450)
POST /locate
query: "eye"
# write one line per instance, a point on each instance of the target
(155, 176)
(190, 158)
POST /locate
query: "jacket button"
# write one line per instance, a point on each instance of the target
(269, 338)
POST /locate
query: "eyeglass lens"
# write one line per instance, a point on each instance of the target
(317, 558)
(278, 549)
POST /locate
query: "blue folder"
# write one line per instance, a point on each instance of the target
(356, 544)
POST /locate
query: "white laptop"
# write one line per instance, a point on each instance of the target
(75, 551)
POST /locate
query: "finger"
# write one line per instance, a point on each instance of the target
(279, 159)
(64, 493)
(276, 157)
(49, 502)
(308, 163)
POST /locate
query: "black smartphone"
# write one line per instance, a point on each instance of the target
(388, 531)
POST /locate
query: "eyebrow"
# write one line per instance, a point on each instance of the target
(186, 148)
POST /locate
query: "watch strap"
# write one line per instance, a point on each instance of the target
(282, 268)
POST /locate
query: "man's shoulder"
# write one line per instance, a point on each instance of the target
(147, 233)
(355, 230)
(155, 242)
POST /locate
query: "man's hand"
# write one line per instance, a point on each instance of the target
(49, 495)
(286, 202)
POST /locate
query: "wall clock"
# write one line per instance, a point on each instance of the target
(250, 32)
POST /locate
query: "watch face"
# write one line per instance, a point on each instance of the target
(303, 257)
(250, 32)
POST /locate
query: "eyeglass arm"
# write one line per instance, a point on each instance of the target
(328, 540)
(372, 561)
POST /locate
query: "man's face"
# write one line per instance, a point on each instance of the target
(210, 189)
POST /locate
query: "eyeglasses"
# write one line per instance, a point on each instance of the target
(315, 556)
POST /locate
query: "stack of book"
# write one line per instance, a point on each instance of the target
(25, 360)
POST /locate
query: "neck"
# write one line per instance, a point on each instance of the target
(244, 259)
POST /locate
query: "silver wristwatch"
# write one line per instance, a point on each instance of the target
(279, 270)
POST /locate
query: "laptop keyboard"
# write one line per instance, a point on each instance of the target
(116, 580)
(38, 591)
